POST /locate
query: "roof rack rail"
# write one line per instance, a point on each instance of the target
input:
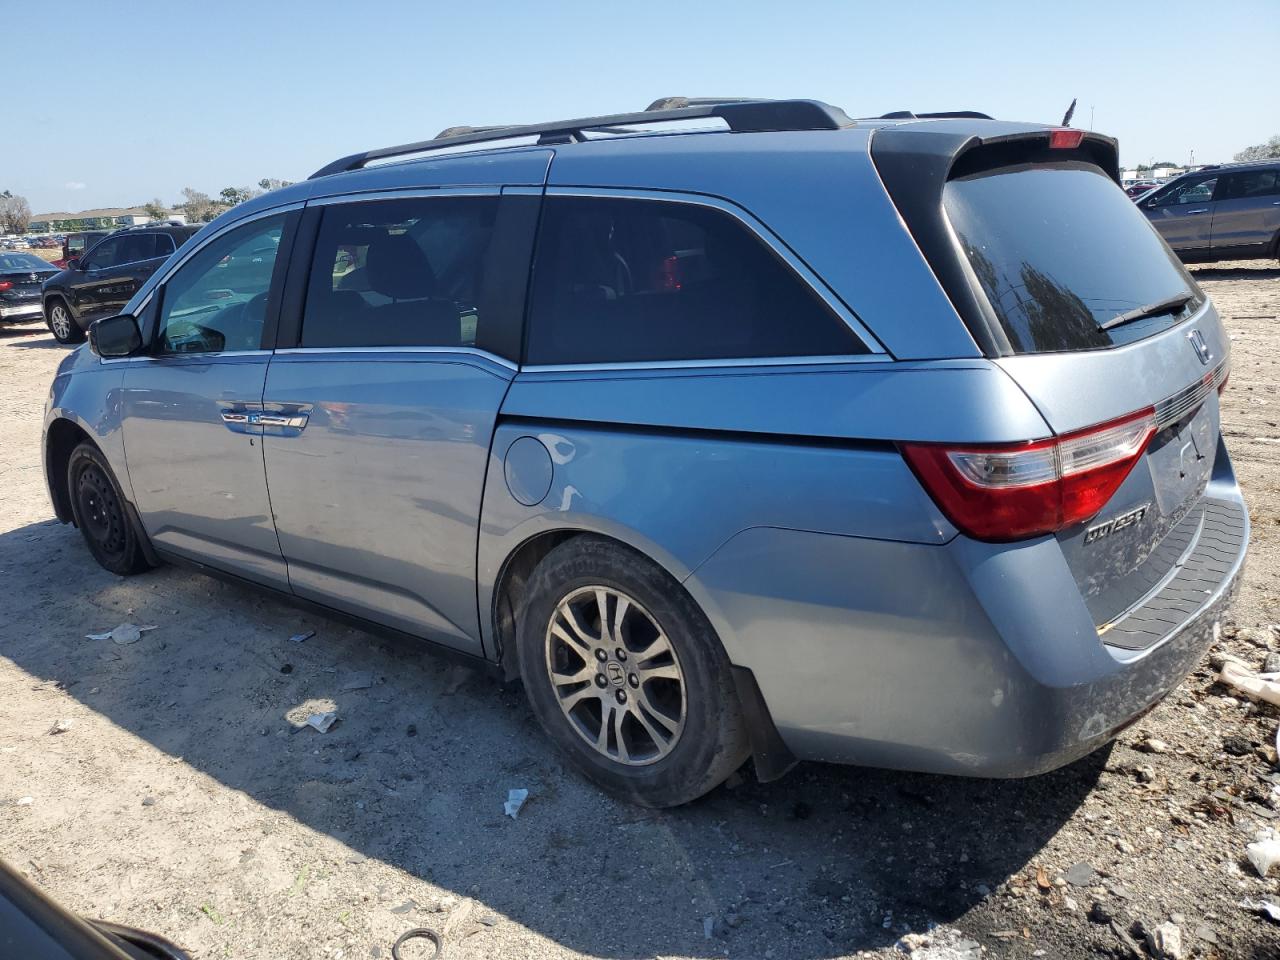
(741, 116)
(944, 115)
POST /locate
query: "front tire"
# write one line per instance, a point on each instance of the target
(63, 326)
(98, 507)
(627, 676)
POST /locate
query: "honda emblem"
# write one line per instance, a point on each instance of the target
(1201, 348)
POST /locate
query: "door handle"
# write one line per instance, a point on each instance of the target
(233, 416)
(295, 421)
(1191, 213)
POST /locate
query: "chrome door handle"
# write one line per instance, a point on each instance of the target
(1192, 212)
(232, 416)
(294, 421)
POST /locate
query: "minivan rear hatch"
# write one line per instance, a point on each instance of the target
(1064, 285)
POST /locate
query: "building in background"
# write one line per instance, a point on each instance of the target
(107, 218)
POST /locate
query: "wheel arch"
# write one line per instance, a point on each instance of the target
(771, 756)
(61, 437)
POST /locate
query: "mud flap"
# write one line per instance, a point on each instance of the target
(772, 757)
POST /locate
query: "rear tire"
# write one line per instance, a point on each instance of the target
(98, 506)
(63, 326)
(645, 707)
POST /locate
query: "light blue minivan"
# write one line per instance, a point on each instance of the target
(734, 429)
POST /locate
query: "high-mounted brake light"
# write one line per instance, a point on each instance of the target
(1013, 491)
(1065, 139)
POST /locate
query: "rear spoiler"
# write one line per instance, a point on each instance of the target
(915, 160)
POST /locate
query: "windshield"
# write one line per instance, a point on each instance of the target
(1059, 250)
(22, 261)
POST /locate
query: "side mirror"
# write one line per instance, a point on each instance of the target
(73, 263)
(116, 336)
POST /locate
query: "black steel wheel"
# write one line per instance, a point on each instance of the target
(99, 510)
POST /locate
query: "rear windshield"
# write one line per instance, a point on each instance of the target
(1059, 250)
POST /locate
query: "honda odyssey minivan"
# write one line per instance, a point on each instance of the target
(734, 429)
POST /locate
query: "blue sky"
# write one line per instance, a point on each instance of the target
(140, 100)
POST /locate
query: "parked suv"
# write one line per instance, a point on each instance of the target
(1226, 212)
(100, 283)
(891, 442)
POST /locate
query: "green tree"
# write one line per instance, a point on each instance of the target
(271, 183)
(199, 207)
(1262, 151)
(233, 195)
(156, 210)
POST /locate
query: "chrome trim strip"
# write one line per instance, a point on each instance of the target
(164, 357)
(711, 364)
(411, 193)
(1173, 408)
(759, 229)
(463, 351)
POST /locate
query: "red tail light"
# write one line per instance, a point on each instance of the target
(1065, 139)
(5, 284)
(1013, 491)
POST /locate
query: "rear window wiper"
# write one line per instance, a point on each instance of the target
(1167, 305)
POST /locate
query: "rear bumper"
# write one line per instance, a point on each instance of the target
(968, 658)
(21, 312)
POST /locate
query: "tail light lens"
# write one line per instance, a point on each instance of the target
(1013, 491)
(5, 284)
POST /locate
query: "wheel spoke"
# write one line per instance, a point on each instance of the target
(577, 697)
(644, 703)
(572, 636)
(620, 614)
(585, 675)
(660, 740)
(606, 720)
(660, 645)
(666, 672)
(623, 754)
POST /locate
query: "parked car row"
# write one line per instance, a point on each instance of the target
(1224, 212)
(762, 441)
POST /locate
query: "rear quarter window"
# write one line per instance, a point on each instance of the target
(1058, 250)
(620, 280)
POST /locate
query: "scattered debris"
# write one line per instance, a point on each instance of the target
(1099, 912)
(489, 920)
(418, 933)
(148, 801)
(1260, 686)
(411, 730)
(1165, 941)
(515, 800)
(286, 668)
(1152, 745)
(1080, 875)
(1206, 933)
(302, 637)
(406, 907)
(940, 943)
(62, 726)
(1237, 746)
(124, 634)
(358, 681)
(1146, 774)
(1134, 951)
(1268, 908)
(322, 721)
(26, 801)
(1271, 663)
(1264, 854)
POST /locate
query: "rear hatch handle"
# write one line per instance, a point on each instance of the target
(1157, 309)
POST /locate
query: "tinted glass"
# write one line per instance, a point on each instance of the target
(636, 280)
(164, 245)
(1255, 183)
(1058, 250)
(105, 254)
(23, 261)
(1187, 191)
(218, 299)
(399, 273)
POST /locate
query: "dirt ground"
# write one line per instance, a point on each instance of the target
(182, 798)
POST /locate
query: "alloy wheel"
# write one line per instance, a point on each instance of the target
(616, 675)
(60, 321)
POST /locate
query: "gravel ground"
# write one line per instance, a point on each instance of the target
(182, 798)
